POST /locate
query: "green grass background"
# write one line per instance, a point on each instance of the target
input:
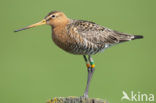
(33, 69)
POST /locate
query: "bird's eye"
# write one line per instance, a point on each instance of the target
(53, 16)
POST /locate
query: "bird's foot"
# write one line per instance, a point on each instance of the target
(85, 96)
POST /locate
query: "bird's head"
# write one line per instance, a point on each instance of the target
(54, 18)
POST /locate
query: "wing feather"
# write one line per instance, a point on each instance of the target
(98, 34)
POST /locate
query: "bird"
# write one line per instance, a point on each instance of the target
(82, 37)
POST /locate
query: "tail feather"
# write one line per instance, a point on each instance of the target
(132, 37)
(137, 37)
(123, 37)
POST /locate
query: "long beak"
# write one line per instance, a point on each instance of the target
(33, 25)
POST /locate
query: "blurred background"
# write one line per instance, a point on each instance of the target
(33, 69)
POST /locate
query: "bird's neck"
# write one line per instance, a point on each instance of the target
(59, 36)
(59, 33)
(60, 29)
(60, 23)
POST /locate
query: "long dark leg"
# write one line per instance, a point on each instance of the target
(90, 67)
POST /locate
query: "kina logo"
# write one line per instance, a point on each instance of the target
(137, 96)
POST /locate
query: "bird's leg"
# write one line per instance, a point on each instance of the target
(90, 67)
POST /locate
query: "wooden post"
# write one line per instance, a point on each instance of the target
(73, 99)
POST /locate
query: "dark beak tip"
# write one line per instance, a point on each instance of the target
(20, 29)
(15, 31)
